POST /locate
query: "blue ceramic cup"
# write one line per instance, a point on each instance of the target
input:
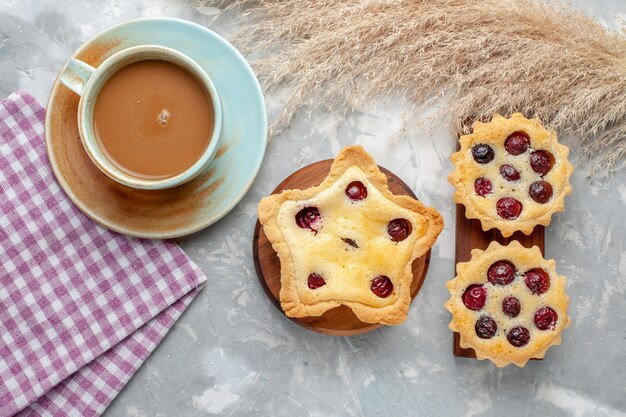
(87, 82)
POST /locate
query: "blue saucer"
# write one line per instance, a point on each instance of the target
(195, 205)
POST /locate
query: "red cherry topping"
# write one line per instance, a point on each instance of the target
(517, 143)
(509, 173)
(482, 153)
(308, 217)
(474, 297)
(509, 208)
(482, 186)
(511, 306)
(382, 286)
(399, 229)
(356, 191)
(518, 336)
(315, 281)
(545, 318)
(501, 273)
(537, 281)
(541, 161)
(485, 327)
(540, 191)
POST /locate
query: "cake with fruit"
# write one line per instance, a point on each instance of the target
(508, 304)
(511, 174)
(348, 241)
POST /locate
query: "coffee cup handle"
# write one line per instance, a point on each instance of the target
(76, 74)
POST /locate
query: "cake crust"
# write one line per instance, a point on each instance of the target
(290, 297)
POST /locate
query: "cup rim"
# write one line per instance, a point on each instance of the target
(88, 99)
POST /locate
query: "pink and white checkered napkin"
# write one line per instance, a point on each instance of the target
(80, 307)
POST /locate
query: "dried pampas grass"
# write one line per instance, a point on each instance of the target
(480, 57)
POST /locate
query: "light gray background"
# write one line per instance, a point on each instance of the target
(234, 354)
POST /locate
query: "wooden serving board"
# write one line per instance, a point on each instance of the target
(470, 235)
(340, 321)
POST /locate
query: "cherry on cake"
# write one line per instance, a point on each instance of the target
(348, 241)
(508, 304)
(511, 174)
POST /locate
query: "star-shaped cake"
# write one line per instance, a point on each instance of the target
(348, 241)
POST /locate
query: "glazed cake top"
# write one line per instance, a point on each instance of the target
(349, 244)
